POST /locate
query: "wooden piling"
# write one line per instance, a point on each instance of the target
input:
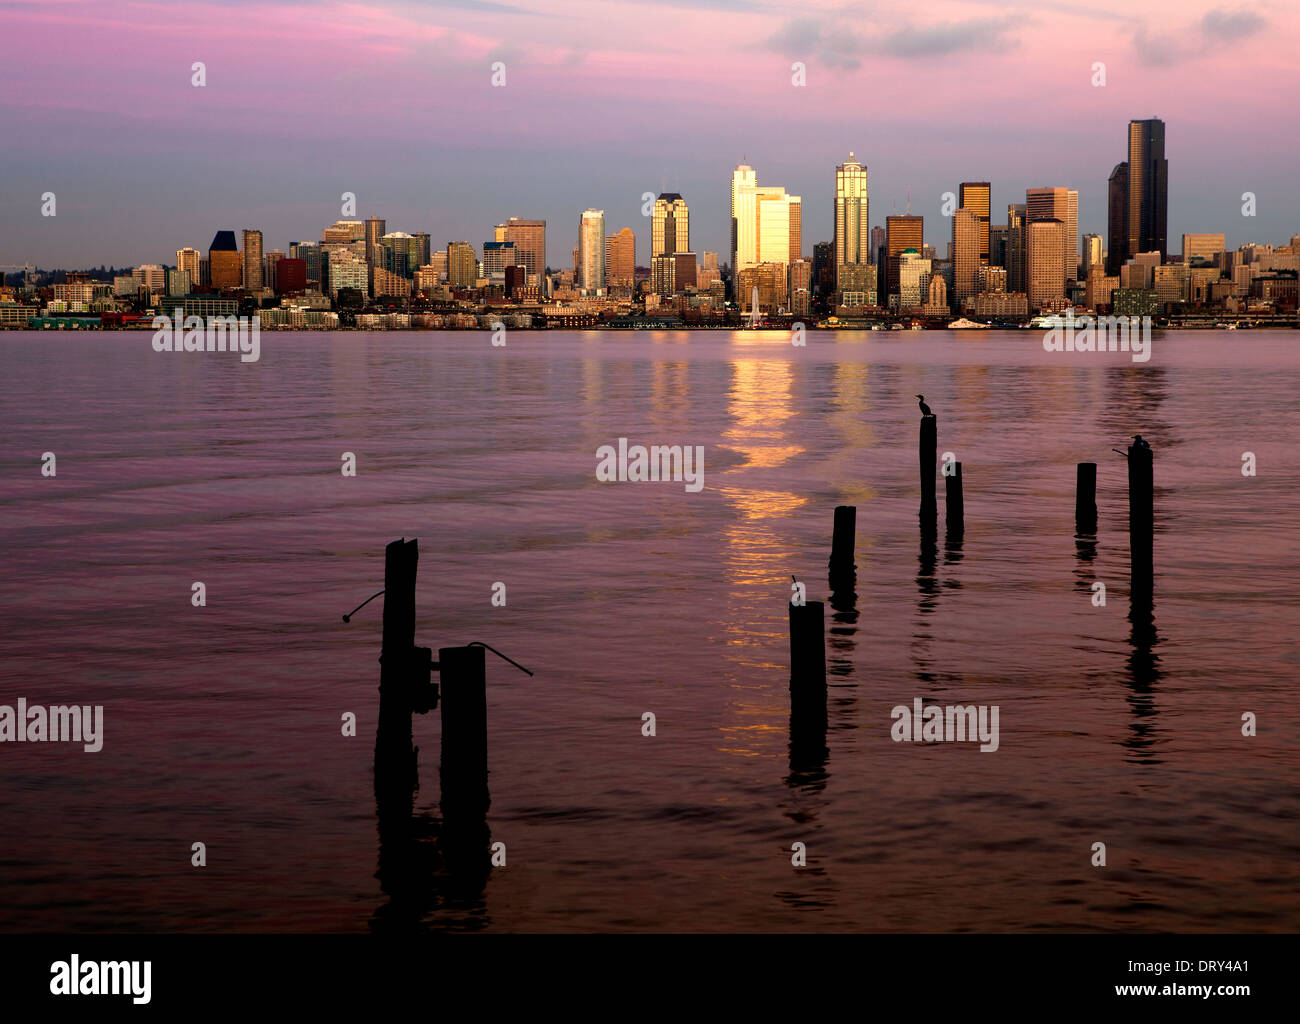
(954, 503)
(464, 733)
(395, 765)
(1141, 508)
(929, 449)
(807, 680)
(843, 538)
(1085, 498)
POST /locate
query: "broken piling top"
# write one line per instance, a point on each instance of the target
(1085, 498)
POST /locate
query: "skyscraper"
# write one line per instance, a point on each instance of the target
(1016, 247)
(529, 237)
(188, 259)
(743, 176)
(976, 196)
(670, 226)
(852, 217)
(1117, 219)
(620, 259)
(252, 260)
(1148, 188)
(591, 252)
(966, 262)
(224, 269)
(1058, 204)
(462, 265)
(902, 232)
(1045, 261)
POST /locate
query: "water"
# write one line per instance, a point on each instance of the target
(222, 723)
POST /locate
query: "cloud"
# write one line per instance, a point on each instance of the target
(954, 37)
(1219, 24)
(826, 44)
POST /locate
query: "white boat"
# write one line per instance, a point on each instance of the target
(967, 325)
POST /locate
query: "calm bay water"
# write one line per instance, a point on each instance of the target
(222, 724)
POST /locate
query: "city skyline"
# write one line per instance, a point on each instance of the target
(134, 184)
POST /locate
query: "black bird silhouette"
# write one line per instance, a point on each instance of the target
(925, 409)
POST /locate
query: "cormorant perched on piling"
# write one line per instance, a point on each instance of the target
(1138, 442)
(925, 409)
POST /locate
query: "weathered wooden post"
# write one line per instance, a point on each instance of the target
(929, 454)
(1085, 498)
(807, 686)
(1141, 507)
(954, 503)
(465, 795)
(843, 538)
(395, 767)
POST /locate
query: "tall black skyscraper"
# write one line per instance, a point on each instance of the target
(1117, 206)
(1148, 188)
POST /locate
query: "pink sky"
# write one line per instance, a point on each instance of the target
(604, 101)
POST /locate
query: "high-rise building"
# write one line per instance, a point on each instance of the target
(224, 267)
(1117, 252)
(670, 226)
(252, 267)
(852, 217)
(742, 177)
(902, 232)
(188, 259)
(966, 261)
(462, 265)
(1058, 204)
(620, 259)
(1148, 188)
(310, 254)
(976, 196)
(529, 237)
(496, 257)
(1202, 248)
(1092, 253)
(376, 228)
(1045, 261)
(1016, 245)
(591, 252)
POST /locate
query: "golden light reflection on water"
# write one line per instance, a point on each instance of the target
(757, 556)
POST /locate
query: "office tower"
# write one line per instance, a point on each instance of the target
(529, 237)
(591, 252)
(1058, 204)
(794, 248)
(398, 253)
(310, 254)
(270, 262)
(741, 178)
(178, 283)
(768, 223)
(420, 248)
(1045, 262)
(902, 232)
(252, 263)
(344, 231)
(663, 275)
(497, 256)
(998, 245)
(1202, 248)
(348, 270)
(823, 268)
(224, 266)
(914, 272)
(1092, 253)
(188, 259)
(852, 217)
(976, 196)
(620, 259)
(967, 229)
(1117, 251)
(706, 273)
(1148, 188)
(670, 226)
(684, 271)
(1016, 244)
(462, 265)
(290, 276)
(376, 228)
